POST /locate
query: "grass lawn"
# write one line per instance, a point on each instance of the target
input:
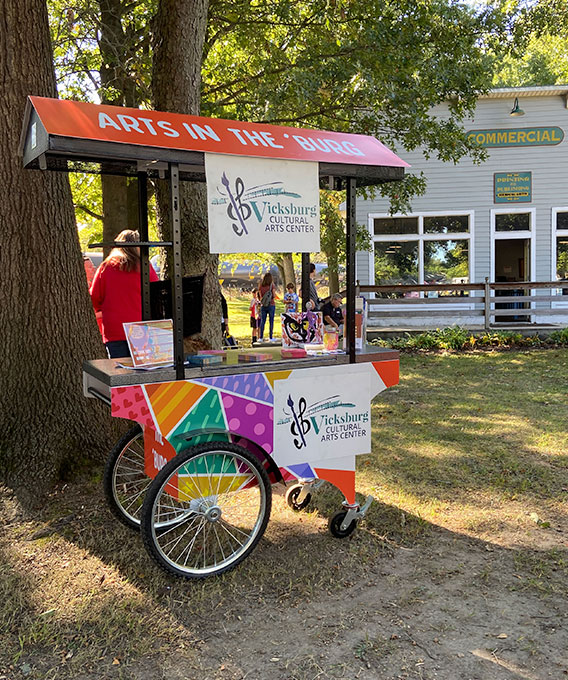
(459, 570)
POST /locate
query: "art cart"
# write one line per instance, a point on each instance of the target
(196, 471)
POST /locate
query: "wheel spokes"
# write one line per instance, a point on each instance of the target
(211, 517)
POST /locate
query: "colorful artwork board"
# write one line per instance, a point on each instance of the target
(151, 343)
(300, 328)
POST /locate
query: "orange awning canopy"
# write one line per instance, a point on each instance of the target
(56, 131)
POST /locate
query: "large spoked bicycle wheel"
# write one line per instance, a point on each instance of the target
(124, 479)
(206, 510)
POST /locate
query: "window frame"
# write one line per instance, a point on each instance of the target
(509, 235)
(421, 237)
(556, 233)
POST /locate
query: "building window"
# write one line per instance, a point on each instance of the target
(562, 221)
(396, 225)
(446, 225)
(422, 249)
(562, 246)
(396, 263)
(446, 261)
(513, 222)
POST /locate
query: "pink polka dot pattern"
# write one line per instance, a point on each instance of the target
(255, 425)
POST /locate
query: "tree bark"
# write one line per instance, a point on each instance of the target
(179, 35)
(46, 319)
(332, 257)
(288, 268)
(118, 90)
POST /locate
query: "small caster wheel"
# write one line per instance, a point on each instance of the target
(292, 498)
(335, 525)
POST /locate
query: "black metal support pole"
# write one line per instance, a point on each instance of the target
(177, 290)
(305, 279)
(144, 250)
(349, 328)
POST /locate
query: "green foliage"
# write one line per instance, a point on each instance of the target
(102, 49)
(457, 338)
(559, 337)
(376, 67)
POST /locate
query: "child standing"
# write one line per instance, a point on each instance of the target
(254, 314)
(291, 299)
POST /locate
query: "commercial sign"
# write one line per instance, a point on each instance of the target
(538, 136)
(196, 133)
(262, 205)
(512, 187)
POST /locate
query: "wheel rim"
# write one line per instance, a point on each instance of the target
(129, 481)
(213, 507)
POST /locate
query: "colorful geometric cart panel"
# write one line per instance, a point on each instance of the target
(311, 421)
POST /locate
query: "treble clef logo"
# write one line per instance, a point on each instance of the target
(237, 210)
(300, 425)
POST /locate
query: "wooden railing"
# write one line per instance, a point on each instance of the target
(483, 301)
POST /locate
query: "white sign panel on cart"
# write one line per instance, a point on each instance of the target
(262, 205)
(322, 414)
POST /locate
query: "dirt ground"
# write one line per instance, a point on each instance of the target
(453, 608)
(449, 608)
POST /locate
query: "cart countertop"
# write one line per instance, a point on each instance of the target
(109, 374)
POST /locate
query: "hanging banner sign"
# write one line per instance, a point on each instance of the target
(258, 205)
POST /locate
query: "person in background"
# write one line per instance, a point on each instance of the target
(291, 299)
(115, 292)
(89, 269)
(224, 316)
(314, 298)
(332, 314)
(254, 308)
(267, 306)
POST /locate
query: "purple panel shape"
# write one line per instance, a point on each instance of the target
(253, 385)
(302, 471)
(250, 419)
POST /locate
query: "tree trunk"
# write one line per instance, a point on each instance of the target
(179, 35)
(288, 269)
(332, 257)
(46, 318)
(115, 207)
(116, 89)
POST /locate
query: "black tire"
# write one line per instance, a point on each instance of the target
(292, 498)
(335, 525)
(124, 480)
(226, 503)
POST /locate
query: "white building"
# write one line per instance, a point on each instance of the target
(505, 219)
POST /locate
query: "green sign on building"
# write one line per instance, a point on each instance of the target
(540, 136)
(512, 187)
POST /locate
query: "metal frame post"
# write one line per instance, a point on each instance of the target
(144, 250)
(305, 279)
(351, 229)
(487, 305)
(177, 285)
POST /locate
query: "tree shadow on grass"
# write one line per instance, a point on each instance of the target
(114, 599)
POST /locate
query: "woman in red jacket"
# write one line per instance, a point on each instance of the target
(115, 293)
